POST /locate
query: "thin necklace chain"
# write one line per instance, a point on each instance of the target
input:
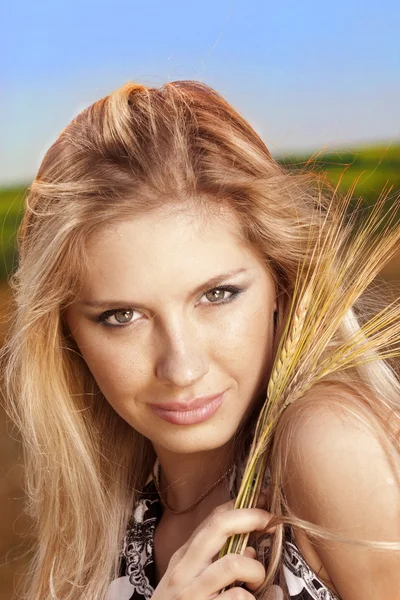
(179, 512)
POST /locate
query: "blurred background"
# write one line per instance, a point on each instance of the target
(313, 79)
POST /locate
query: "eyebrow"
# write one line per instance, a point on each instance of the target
(210, 283)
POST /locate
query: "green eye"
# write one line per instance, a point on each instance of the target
(216, 297)
(117, 312)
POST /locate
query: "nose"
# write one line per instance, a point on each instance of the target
(183, 360)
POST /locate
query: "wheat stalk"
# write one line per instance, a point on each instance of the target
(353, 257)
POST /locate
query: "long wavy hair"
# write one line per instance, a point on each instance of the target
(133, 151)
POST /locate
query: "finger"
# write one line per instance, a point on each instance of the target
(231, 568)
(250, 551)
(262, 500)
(208, 540)
(261, 503)
(233, 593)
(219, 509)
(251, 586)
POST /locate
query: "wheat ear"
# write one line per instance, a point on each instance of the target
(314, 317)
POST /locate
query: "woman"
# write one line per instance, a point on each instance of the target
(157, 256)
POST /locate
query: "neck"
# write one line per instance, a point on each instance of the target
(184, 478)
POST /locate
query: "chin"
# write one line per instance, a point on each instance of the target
(189, 440)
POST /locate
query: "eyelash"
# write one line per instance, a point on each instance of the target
(233, 289)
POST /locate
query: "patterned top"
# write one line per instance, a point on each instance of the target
(137, 580)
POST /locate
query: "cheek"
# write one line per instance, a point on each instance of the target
(111, 362)
(256, 354)
(245, 360)
(250, 335)
(117, 368)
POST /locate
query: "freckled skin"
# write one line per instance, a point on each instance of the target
(175, 344)
(180, 344)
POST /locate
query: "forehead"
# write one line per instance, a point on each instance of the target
(202, 219)
(164, 247)
(166, 228)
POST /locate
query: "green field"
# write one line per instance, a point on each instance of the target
(11, 208)
(374, 165)
(377, 166)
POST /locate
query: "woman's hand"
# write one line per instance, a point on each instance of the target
(192, 574)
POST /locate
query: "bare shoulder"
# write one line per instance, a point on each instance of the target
(332, 430)
(338, 453)
(342, 472)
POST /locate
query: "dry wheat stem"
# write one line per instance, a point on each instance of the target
(318, 305)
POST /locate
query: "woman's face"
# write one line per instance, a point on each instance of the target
(174, 334)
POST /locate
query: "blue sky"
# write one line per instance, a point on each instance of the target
(307, 75)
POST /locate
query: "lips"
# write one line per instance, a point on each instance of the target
(188, 404)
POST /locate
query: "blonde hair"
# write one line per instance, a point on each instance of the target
(136, 150)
